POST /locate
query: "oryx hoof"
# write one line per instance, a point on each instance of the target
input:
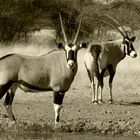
(13, 119)
(57, 125)
(110, 101)
(12, 122)
(100, 102)
(95, 102)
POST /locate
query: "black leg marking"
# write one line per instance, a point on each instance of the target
(58, 118)
(95, 102)
(58, 98)
(8, 101)
(10, 95)
(9, 98)
(111, 72)
(101, 77)
(4, 89)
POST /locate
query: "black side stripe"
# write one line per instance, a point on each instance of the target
(21, 82)
(6, 56)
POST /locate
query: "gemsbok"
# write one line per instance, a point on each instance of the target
(53, 71)
(102, 59)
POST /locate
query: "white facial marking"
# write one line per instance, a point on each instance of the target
(133, 54)
(67, 48)
(70, 64)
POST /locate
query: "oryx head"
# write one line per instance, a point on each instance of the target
(128, 46)
(127, 41)
(70, 48)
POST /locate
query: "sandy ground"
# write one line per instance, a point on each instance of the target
(34, 111)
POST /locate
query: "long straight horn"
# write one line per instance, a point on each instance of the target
(125, 33)
(76, 36)
(63, 31)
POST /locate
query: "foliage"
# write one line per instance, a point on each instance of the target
(18, 18)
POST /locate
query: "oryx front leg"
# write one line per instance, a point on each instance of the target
(8, 101)
(93, 86)
(58, 99)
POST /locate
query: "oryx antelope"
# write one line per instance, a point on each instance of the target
(101, 60)
(54, 71)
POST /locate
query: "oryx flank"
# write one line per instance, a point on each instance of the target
(54, 71)
(101, 60)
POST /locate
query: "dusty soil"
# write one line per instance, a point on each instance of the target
(34, 111)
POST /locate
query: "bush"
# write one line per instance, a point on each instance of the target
(18, 18)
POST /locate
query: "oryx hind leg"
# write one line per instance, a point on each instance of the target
(112, 73)
(100, 86)
(58, 100)
(9, 99)
(93, 87)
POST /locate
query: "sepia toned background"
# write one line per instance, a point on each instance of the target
(32, 28)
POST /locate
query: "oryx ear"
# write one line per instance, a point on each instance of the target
(83, 45)
(133, 38)
(60, 46)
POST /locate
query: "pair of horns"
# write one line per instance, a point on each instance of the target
(63, 31)
(123, 31)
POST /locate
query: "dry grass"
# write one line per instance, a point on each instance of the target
(39, 43)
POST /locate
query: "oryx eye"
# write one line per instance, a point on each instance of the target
(127, 42)
(67, 47)
(74, 48)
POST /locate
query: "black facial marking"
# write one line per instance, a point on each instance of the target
(71, 55)
(132, 48)
(71, 45)
(129, 45)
